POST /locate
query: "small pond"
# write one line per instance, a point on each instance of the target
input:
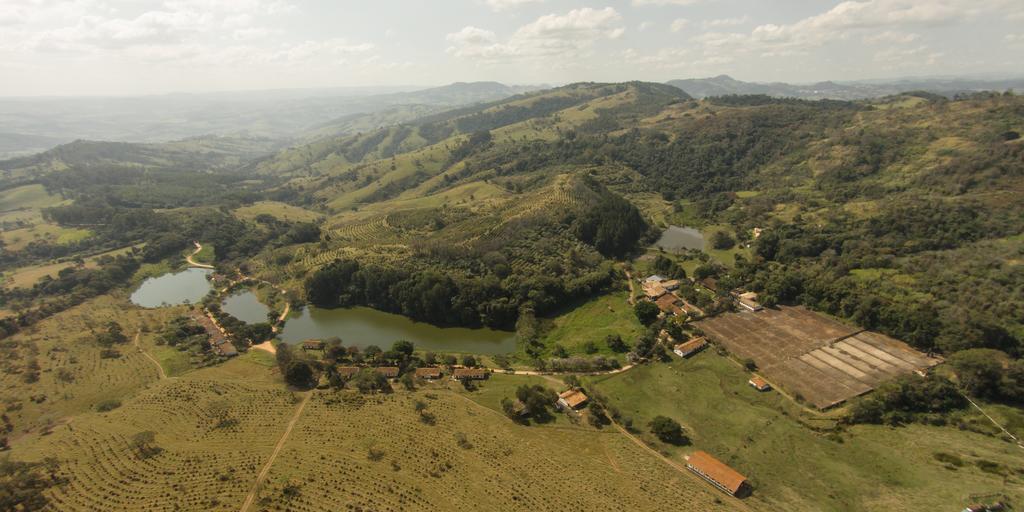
(365, 326)
(244, 306)
(173, 288)
(677, 239)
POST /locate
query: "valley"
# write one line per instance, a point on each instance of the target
(384, 318)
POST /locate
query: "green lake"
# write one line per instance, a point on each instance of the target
(171, 289)
(365, 326)
(676, 239)
(244, 306)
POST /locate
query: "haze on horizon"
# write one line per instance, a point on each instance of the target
(117, 47)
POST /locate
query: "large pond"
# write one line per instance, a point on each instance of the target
(365, 326)
(677, 239)
(244, 306)
(171, 289)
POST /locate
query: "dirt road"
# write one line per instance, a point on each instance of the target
(273, 455)
(193, 262)
(159, 367)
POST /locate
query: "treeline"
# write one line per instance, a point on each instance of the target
(444, 298)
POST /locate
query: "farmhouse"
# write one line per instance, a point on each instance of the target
(748, 301)
(387, 371)
(312, 345)
(430, 372)
(716, 472)
(346, 372)
(571, 399)
(690, 347)
(470, 374)
(667, 304)
(759, 384)
(710, 283)
(654, 290)
(226, 349)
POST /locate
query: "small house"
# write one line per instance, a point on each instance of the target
(226, 349)
(387, 371)
(347, 372)
(312, 345)
(667, 303)
(470, 374)
(749, 301)
(759, 384)
(671, 285)
(654, 279)
(688, 348)
(430, 372)
(710, 283)
(572, 399)
(653, 291)
(717, 473)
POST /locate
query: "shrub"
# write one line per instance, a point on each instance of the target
(108, 405)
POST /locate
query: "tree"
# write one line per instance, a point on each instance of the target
(722, 240)
(300, 375)
(23, 486)
(368, 380)
(408, 380)
(646, 311)
(590, 347)
(145, 444)
(403, 347)
(667, 430)
(468, 360)
(615, 343)
(979, 371)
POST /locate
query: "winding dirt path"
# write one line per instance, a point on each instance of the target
(193, 262)
(273, 455)
(159, 367)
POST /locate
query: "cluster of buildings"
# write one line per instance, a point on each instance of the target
(662, 292)
(219, 343)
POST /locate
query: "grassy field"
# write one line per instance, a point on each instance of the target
(27, 197)
(593, 320)
(17, 239)
(278, 210)
(25, 277)
(794, 467)
(206, 255)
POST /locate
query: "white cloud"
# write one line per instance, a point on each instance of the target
(551, 35)
(679, 24)
(726, 22)
(641, 3)
(504, 5)
(891, 36)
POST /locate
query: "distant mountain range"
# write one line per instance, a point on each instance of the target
(34, 124)
(724, 84)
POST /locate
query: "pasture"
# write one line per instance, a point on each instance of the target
(278, 210)
(798, 460)
(27, 197)
(814, 357)
(18, 239)
(592, 321)
(25, 277)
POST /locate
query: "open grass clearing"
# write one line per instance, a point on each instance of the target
(18, 239)
(26, 197)
(278, 210)
(25, 277)
(592, 321)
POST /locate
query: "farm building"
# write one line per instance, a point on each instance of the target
(688, 348)
(226, 349)
(667, 304)
(710, 283)
(654, 279)
(387, 371)
(671, 285)
(716, 472)
(312, 345)
(748, 301)
(571, 399)
(346, 372)
(430, 372)
(759, 384)
(470, 374)
(654, 290)
(824, 361)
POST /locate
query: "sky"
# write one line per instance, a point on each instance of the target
(138, 47)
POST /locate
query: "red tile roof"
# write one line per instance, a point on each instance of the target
(715, 471)
(573, 398)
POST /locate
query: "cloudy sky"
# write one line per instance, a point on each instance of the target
(114, 47)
